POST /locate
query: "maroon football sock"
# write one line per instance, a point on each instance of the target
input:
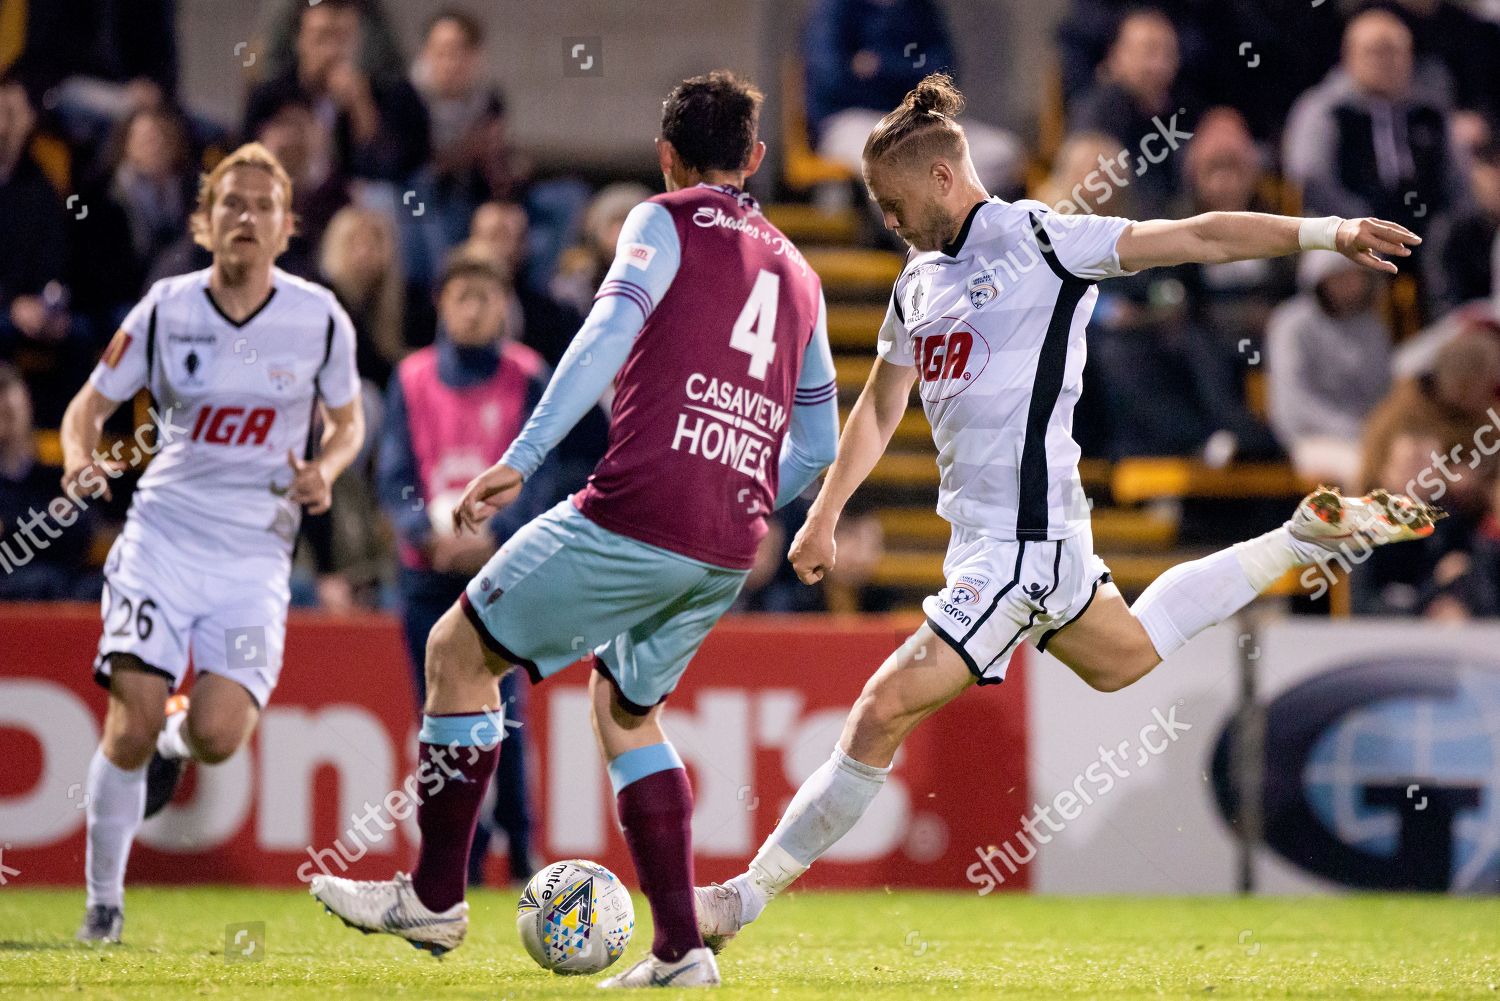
(446, 816)
(656, 813)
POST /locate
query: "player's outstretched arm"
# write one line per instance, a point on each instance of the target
(82, 427)
(1217, 237)
(868, 431)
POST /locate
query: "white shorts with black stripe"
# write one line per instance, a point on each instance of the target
(1000, 592)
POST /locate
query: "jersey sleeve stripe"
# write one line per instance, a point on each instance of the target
(800, 402)
(620, 285)
(818, 394)
(627, 290)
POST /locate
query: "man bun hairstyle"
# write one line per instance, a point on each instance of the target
(923, 125)
(711, 121)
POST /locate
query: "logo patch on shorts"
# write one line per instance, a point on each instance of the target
(966, 589)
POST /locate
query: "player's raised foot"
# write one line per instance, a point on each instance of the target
(391, 906)
(102, 923)
(718, 908)
(697, 968)
(1327, 520)
(165, 770)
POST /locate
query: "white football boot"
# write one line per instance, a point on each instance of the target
(718, 909)
(696, 968)
(392, 906)
(1328, 521)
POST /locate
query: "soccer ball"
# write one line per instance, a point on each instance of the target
(575, 917)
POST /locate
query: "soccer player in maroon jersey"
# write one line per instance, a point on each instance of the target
(713, 328)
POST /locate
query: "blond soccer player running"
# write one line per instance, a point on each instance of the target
(1020, 565)
(238, 358)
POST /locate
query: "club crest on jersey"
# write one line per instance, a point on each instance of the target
(282, 377)
(982, 288)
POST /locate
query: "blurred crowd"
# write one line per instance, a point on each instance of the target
(467, 271)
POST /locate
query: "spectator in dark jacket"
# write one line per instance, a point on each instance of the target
(1459, 49)
(1366, 142)
(379, 123)
(93, 62)
(863, 56)
(1466, 247)
(499, 231)
(42, 556)
(138, 211)
(38, 329)
(1137, 101)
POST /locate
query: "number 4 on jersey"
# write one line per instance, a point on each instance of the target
(755, 331)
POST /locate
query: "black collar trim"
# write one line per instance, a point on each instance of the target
(956, 247)
(227, 318)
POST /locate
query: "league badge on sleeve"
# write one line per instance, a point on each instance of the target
(118, 345)
(982, 288)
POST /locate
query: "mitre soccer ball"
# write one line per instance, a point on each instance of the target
(575, 917)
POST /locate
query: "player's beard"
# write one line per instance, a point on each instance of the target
(936, 229)
(234, 271)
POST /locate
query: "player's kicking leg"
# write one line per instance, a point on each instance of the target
(1110, 645)
(460, 748)
(655, 804)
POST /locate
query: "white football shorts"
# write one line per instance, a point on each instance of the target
(161, 606)
(1001, 591)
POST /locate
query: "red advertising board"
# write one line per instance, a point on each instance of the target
(758, 710)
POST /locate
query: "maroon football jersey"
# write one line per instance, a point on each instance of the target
(704, 399)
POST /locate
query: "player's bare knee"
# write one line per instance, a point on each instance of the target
(1123, 668)
(135, 713)
(213, 741)
(130, 739)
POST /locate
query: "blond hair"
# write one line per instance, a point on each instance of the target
(923, 127)
(249, 155)
(379, 303)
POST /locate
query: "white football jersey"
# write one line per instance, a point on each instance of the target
(994, 323)
(231, 400)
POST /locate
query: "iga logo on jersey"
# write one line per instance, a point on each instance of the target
(982, 288)
(950, 361)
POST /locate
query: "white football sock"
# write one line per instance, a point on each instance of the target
(827, 805)
(1192, 596)
(170, 743)
(116, 801)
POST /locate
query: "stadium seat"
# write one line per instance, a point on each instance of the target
(809, 224)
(803, 168)
(1136, 480)
(56, 160)
(851, 271)
(853, 328)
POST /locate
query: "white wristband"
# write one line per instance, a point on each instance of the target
(1319, 234)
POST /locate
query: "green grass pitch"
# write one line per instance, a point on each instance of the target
(870, 946)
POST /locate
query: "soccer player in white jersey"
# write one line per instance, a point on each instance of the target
(245, 365)
(988, 316)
